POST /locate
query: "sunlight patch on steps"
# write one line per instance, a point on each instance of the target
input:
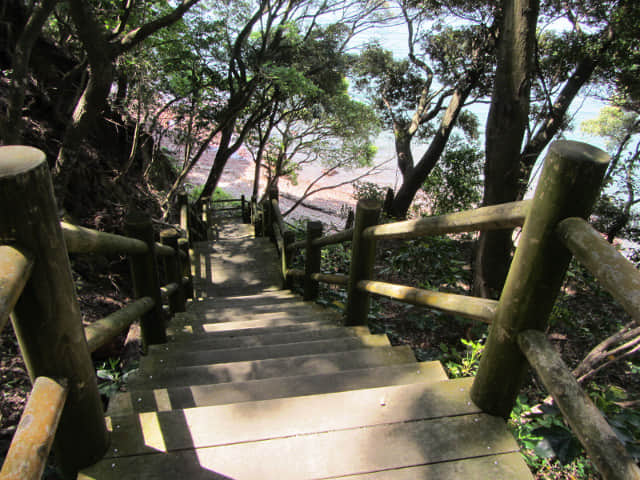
(151, 431)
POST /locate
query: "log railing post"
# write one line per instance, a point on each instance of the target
(46, 317)
(289, 237)
(173, 269)
(144, 273)
(183, 245)
(568, 187)
(244, 210)
(363, 254)
(183, 210)
(252, 210)
(312, 261)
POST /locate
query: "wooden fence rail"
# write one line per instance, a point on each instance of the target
(616, 274)
(592, 429)
(31, 444)
(15, 268)
(46, 317)
(568, 187)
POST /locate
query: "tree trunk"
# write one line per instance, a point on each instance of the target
(414, 177)
(506, 125)
(12, 126)
(552, 124)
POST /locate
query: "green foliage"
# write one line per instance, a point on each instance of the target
(194, 191)
(624, 421)
(455, 183)
(462, 364)
(368, 191)
(220, 194)
(336, 259)
(112, 376)
(439, 263)
(544, 436)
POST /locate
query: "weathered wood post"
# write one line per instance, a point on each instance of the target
(144, 273)
(46, 317)
(269, 216)
(312, 261)
(244, 209)
(183, 209)
(252, 209)
(289, 237)
(568, 187)
(183, 245)
(173, 268)
(363, 254)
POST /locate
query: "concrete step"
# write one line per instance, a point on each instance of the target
(160, 360)
(240, 340)
(348, 433)
(270, 368)
(163, 399)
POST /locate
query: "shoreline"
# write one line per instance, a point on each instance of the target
(237, 179)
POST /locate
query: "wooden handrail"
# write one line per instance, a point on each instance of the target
(277, 215)
(31, 444)
(46, 317)
(605, 450)
(226, 200)
(616, 274)
(163, 250)
(568, 187)
(495, 217)
(15, 268)
(102, 331)
(475, 308)
(333, 239)
(295, 272)
(296, 245)
(86, 240)
(169, 289)
(340, 237)
(227, 209)
(331, 278)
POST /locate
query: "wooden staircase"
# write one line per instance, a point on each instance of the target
(257, 384)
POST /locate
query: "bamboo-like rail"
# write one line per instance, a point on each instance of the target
(616, 274)
(331, 278)
(15, 268)
(602, 444)
(86, 240)
(481, 309)
(102, 331)
(495, 217)
(31, 444)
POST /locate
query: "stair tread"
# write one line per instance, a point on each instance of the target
(279, 387)
(240, 339)
(246, 421)
(278, 367)
(343, 438)
(168, 359)
(177, 329)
